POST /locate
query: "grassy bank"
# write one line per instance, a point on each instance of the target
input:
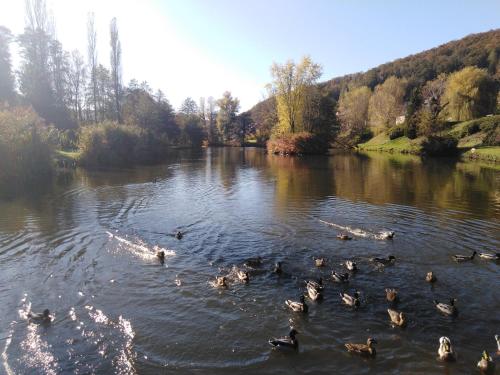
(403, 145)
(491, 153)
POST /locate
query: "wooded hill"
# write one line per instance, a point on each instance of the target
(481, 50)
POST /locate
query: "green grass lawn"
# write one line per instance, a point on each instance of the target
(491, 153)
(382, 142)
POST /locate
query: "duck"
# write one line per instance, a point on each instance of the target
(489, 256)
(464, 258)
(384, 261)
(398, 318)
(486, 364)
(221, 281)
(343, 237)
(367, 349)
(314, 294)
(286, 342)
(430, 277)
(320, 262)
(497, 339)
(445, 350)
(253, 262)
(447, 309)
(316, 284)
(43, 317)
(160, 254)
(351, 265)
(386, 235)
(350, 300)
(391, 295)
(277, 268)
(298, 306)
(243, 276)
(340, 277)
(179, 235)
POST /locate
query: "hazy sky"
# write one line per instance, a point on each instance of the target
(204, 47)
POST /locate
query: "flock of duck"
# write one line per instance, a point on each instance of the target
(314, 291)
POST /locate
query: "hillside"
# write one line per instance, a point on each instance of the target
(481, 50)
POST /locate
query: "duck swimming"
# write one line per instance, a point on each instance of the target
(298, 306)
(489, 256)
(348, 300)
(160, 254)
(320, 262)
(351, 265)
(340, 277)
(384, 261)
(446, 309)
(277, 268)
(367, 349)
(386, 235)
(43, 317)
(243, 276)
(464, 258)
(430, 277)
(445, 350)
(286, 342)
(179, 235)
(221, 281)
(486, 364)
(398, 318)
(316, 284)
(391, 295)
(343, 237)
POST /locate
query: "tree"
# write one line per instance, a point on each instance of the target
(264, 117)
(353, 111)
(6, 79)
(140, 108)
(92, 60)
(189, 107)
(211, 121)
(292, 85)
(470, 93)
(387, 103)
(77, 76)
(116, 68)
(228, 108)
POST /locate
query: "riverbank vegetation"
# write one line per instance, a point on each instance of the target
(89, 112)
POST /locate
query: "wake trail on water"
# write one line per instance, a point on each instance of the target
(356, 231)
(139, 248)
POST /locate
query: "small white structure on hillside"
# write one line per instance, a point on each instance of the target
(400, 119)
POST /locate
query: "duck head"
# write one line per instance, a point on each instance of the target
(371, 341)
(445, 343)
(391, 257)
(292, 333)
(46, 313)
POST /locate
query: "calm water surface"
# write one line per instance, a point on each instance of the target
(117, 310)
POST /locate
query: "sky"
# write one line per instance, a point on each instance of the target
(201, 48)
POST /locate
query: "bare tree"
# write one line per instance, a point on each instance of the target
(116, 68)
(92, 59)
(77, 75)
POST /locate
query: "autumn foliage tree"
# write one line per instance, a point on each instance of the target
(387, 103)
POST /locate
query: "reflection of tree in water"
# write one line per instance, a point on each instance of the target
(299, 181)
(380, 178)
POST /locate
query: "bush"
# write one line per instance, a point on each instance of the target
(396, 132)
(439, 146)
(109, 145)
(25, 152)
(298, 144)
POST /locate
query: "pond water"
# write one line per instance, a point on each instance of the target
(84, 248)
